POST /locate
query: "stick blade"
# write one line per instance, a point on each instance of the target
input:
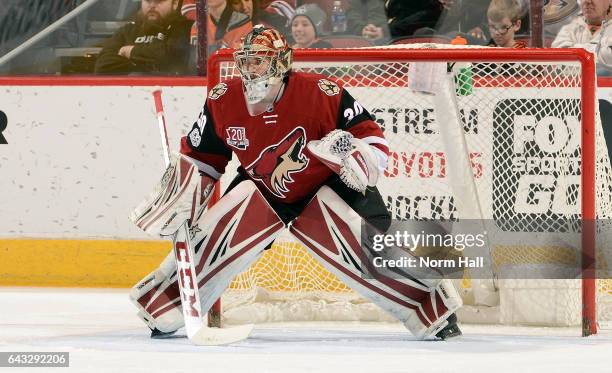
(221, 336)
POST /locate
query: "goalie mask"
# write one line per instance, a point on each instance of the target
(263, 60)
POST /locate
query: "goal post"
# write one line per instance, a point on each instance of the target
(518, 78)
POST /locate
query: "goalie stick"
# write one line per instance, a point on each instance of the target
(198, 332)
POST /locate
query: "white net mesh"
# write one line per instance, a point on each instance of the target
(522, 127)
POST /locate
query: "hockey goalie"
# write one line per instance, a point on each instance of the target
(310, 158)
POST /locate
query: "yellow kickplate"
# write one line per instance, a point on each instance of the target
(78, 263)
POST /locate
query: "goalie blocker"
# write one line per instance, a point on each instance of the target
(182, 195)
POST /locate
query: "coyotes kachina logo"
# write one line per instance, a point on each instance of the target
(217, 91)
(328, 87)
(277, 162)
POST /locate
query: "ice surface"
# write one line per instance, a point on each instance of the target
(102, 333)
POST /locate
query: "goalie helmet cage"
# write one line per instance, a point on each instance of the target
(501, 83)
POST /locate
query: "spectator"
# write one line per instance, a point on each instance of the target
(243, 6)
(285, 9)
(466, 18)
(585, 31)
(504, 17)
(404, 19)
(225, 27)
(156, 43)
(307, 27)
(368, 19)
(604, 48)
(276, 14)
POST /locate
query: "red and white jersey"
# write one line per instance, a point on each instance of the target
(271, 147)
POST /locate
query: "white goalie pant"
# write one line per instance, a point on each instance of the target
(227, 239)
(331, 230)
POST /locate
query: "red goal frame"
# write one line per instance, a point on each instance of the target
(588, 101)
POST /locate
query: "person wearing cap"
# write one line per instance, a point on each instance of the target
(271, 13)
(307, 27)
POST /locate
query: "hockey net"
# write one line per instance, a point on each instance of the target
(519, 170)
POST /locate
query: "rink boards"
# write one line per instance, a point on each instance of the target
(80, 155)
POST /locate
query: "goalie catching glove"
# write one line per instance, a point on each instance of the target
(181, 195)
(351, 158)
